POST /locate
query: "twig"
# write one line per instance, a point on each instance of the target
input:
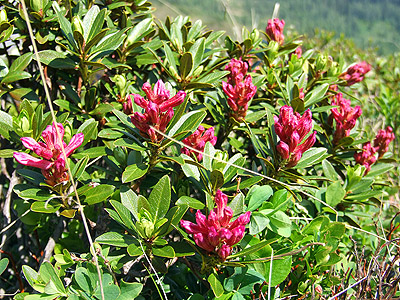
(14, 267)
(48, 250)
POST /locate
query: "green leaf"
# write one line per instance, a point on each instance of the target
(15, 76)
(21, 62)
(335, 193)
(190, 170)
(67, 105)
(379, 169)
(48, 273)
(255, 116)
(187, 124)
(186, 65)
(364, 196)
(280, 223)
(80, 167)
(316, 95)
(84, 280)
(89, 129)
(129, 290)
(216, 285)
(316, 225)
(7, 153)
(279, 199)
(209, 152)
(257, 196)
(166, 251)
(160, 198)
(32, 176)
(124, 214)
(45, 207)
(6, 124)
(311, 156)
(258, 222)
(93, 152)
(197, 51)
(98, 193)
(30, 275)
(116, 239)
(109, 133)
(329, 170)
(237, 204)
(191, 202)
(3, 265)
(213, 77)
(92, 23)
(251, 249)
(24, 93)
(140, 30)
(134, 250)
(134, 172)
(169, 55)
(65, 26)
(29, 192)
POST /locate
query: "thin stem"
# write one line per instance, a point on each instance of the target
(84, 220)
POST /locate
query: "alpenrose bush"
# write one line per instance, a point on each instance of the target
(205, 167)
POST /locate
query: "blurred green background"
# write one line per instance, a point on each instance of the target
(370, 23)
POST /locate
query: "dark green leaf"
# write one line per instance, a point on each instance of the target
(160, 198)
(116, 239)
(186, 65)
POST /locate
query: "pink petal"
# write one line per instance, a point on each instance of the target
(74, 143)
(28, 160)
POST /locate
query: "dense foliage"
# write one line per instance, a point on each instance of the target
(162, 160)
(368, 22)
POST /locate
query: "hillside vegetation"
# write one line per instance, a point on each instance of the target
(368, 22)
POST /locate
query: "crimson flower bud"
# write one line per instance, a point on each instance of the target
(275, 30)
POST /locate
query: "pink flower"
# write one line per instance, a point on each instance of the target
(345, 117)
(158, 110)
(382, 141)
(198, 140)
(366, 157)
(292, 129)
(239, 89)
(298, 52)
(355, 73)
(217, 234)
(301, 93)
(127, 106)
(53, 162)
(275, 30)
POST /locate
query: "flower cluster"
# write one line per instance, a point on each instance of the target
(239, 88)
(158, 110)
(382, 140)
(345, 117)
(53, 162)
(366, 157)
(355, 73)
(292, 129)
(275, 30)
(198, 140)
(217, 234)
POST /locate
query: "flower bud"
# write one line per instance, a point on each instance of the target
(76, 24)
